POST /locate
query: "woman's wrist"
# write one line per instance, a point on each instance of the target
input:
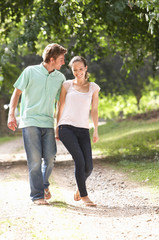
(96, 128)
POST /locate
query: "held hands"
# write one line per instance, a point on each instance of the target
(12, 123)
(57, 134)
(95, 136)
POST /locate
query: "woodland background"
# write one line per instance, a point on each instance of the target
(119, 39)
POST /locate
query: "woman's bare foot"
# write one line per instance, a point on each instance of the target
(77, 196)
(87, 202)
(47, 194)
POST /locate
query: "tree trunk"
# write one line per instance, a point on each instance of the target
(3, 118)
(138, 98)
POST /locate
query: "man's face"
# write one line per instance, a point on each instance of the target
(60, 60)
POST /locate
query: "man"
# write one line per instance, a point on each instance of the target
(39, 86)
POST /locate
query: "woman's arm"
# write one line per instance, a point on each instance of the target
(60, 107)
(94, 115)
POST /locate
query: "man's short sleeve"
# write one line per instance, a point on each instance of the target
(59, 91)
(23, 80)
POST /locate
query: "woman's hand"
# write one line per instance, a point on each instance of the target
(95, 136)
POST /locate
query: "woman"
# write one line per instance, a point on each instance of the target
(76, 97)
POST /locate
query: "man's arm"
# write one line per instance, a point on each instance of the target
(61, 104)
(12, 123)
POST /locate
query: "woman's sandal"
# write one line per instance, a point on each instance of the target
(77, 196)
(41, 201)
(88, 203)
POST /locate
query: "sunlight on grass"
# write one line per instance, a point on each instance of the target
(145, 172)
(132, 146)
(128, 138)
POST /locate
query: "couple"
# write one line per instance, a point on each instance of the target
(39, 87)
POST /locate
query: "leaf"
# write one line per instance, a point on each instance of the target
(147, 17)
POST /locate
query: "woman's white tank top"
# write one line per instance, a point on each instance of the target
(77, 105)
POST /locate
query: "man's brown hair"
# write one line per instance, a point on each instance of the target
(53, 50)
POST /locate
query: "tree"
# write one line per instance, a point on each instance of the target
(6, 81)
(112, 80)
(121, 26)
(138, 79)
(93, 28)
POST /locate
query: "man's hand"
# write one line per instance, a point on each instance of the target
(12, 123)
(57, 134)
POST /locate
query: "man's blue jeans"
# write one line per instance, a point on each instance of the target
(40, 147)
(77, 142)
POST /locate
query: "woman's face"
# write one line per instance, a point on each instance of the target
(79, 70)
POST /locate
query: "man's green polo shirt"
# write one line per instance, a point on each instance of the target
(39, 91)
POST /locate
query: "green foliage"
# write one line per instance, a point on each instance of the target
(113, 106)
(152, 11)
(14, 10)
(116, 81)
(121, 24)
(88, 27)
(38, 21)
(10, 73)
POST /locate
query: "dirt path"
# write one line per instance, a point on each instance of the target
(125, 210)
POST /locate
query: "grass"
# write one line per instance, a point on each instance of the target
(7, 138)
(132, 146)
